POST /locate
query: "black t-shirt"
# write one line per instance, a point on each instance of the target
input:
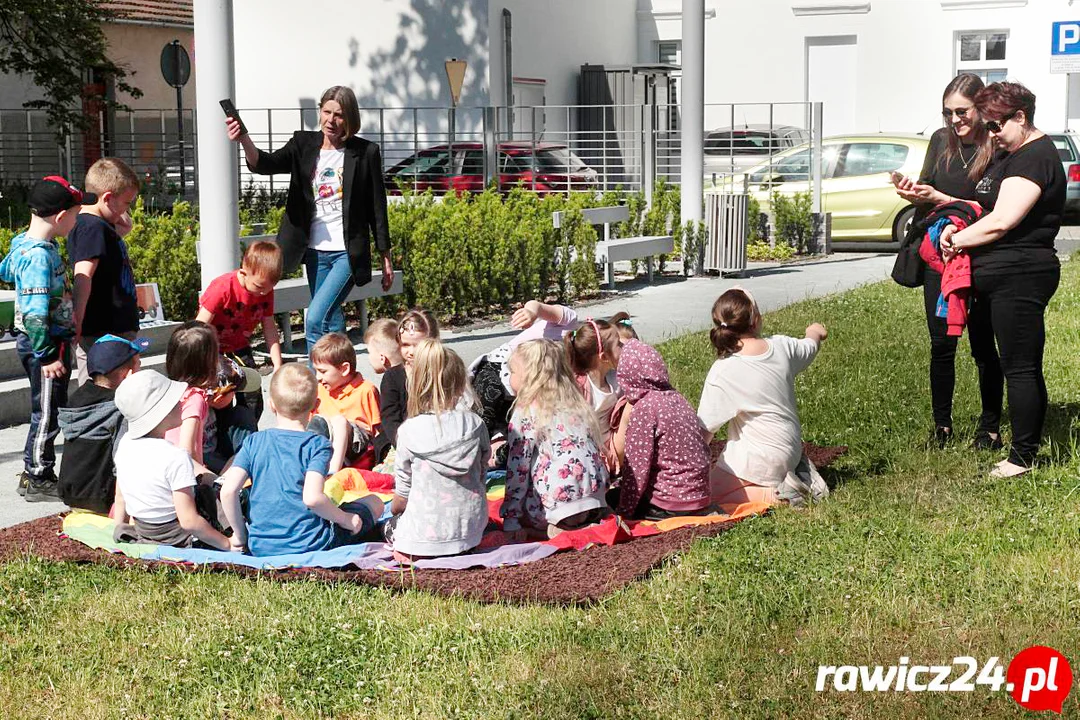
(949, 177)
(112, 306)
(393, 399)
(1030, 245)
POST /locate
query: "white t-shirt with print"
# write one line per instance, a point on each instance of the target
(756, 394)
(148, 471)
(328, 226)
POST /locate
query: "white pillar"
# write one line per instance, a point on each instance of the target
(219, 217)
(692, 86)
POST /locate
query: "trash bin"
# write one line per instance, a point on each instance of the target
(726, 230)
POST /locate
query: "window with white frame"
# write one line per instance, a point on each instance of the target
(669, 52)
(982, 52)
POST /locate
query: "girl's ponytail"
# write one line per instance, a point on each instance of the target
(734, 315)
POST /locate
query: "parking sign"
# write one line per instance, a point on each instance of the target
(1065, 47)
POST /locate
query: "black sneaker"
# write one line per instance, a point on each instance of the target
(985, 441)
(44, 490)
(24, 480)
(942, 437)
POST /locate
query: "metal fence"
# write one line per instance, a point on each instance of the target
(620, 146)
(148, 140)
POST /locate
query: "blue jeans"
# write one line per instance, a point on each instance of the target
(329, 277)
(46, 397)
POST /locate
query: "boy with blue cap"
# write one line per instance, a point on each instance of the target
(91, 424)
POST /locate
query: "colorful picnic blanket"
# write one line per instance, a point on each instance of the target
(495, 550)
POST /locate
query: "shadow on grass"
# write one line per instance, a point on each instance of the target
(1061, 431)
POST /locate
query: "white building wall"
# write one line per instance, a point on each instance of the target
(554, 38)
(906, 52)
(390, 53)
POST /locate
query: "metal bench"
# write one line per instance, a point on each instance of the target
(611, 250)
(293, 294)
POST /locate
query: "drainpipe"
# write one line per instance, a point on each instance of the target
(508, 67)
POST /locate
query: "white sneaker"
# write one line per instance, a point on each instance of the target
(1006, 469)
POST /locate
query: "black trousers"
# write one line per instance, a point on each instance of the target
(943, 358)
(1017, 303)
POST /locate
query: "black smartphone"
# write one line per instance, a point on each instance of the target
(231, 111)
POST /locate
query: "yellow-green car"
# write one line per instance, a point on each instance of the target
(855, 183)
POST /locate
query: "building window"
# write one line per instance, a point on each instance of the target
(669, 52)
(983, 53)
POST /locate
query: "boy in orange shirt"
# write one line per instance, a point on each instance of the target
(347, 410)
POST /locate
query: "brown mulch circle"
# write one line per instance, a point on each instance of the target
(566, 578)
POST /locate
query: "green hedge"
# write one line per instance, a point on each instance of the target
(463, 257)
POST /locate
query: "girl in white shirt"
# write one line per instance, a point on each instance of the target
(751, 388)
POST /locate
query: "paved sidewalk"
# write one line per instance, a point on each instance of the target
(667, 309)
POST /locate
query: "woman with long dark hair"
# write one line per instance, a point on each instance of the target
(959, 154)
(1015, 268)
(335, 206)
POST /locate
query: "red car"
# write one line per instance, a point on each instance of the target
(543, 167)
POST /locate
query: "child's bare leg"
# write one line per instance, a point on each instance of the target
(340, 439)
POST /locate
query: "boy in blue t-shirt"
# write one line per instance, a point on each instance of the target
(288, 512)
(43, 323)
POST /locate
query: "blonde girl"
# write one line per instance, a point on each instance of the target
(556, 476)
(439, 506)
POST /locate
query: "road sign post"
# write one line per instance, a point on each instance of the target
(176, 69)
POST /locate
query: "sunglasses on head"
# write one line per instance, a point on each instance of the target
(995, 126)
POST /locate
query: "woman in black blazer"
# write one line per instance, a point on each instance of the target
(335, 205)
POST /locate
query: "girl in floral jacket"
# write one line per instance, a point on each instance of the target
(555, 475)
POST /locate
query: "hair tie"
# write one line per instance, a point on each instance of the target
(599, 346)
(626, 322)
(723, 324)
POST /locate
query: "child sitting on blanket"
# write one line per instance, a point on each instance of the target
(490, 374)
(155, 480)
(667, 459)
(555, 474)
(288, 512)
(348, 405)
(593, 352)
(752, 386)
(192, 358)
(384, 352)
(91, 424)
(440, 504)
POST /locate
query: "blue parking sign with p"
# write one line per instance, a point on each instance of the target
(1066, 38)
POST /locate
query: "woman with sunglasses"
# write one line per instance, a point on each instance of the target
(1015, 269)
(959, 154)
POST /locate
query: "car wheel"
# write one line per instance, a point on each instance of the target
(902, 224)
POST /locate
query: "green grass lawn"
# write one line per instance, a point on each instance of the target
(916, 554)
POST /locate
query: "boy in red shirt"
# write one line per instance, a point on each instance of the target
(234, 303)
(347, 410)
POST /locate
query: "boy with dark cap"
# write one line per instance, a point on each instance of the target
(43, 323)
(91, 424)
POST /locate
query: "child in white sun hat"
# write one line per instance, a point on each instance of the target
(155, 480)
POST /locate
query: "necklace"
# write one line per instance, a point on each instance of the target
(960, 152)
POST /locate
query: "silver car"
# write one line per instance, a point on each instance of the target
(1068, 147)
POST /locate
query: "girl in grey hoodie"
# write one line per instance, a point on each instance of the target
(440, 496)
